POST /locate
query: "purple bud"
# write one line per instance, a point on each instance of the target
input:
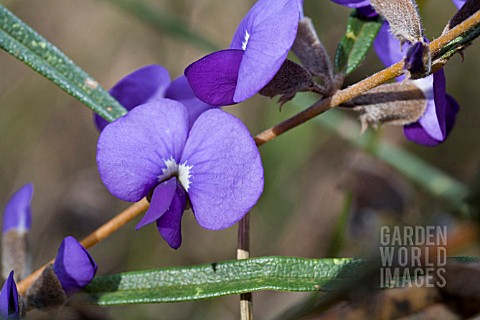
(9, 300)
(417, 60)
(74, 266)
(17, 212)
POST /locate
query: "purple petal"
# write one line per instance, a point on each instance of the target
(459, 3)
(388, 47)
(74, 266)
(213, 78)
(437, 121)
(160, 202)
(226, 169)
(132, 151)
(181, 91)
(17, 212)
(9, 299)
(170, 224)
(266, 34)
(139, 87)
(353, 3)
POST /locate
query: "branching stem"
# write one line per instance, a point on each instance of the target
(316, 109)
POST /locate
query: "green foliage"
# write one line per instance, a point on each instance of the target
(356, 42)
(177, 284)
(28, 46)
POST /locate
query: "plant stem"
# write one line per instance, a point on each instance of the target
(243, 252)
(357, 89)
(314, 110)
(95, 237)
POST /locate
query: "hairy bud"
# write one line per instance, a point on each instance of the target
(403, 17)
(418, 60)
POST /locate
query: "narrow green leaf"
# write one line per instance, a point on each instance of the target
(177, 284)
(28, 46)
(356, 42)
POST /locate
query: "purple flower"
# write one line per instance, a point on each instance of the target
(151, 83)
(437, 121)
(9, 299)
(74, 266)
(151, 151)
(258, 50)
(17, 214)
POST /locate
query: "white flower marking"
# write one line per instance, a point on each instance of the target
(245, 40)
(181, 171)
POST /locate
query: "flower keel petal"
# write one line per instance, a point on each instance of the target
(170, 224)
(160, 202)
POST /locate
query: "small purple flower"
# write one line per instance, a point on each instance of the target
(17, 214)
(9, 299)
(151, 83)
(258, 50)
(151, 151)
(439, 117)
(73, 266)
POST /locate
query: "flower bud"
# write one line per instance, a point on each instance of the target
(403, 17)
(9, 300)
(72, 270)
(74, 266)
(418, 60)
(16, 227)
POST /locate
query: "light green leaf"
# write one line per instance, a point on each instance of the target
(177, 284)
(356, 42)
(28, 46)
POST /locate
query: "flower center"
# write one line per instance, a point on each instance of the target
(181, 171)
(245, 40)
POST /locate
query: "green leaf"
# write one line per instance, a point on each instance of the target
(177, 284)
(28, 46)
(356, 42)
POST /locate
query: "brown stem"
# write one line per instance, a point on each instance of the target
(357, 89)
(95, 237)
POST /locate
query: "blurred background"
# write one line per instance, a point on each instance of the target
(323, 196)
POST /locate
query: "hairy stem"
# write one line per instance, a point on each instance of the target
(357, 89)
